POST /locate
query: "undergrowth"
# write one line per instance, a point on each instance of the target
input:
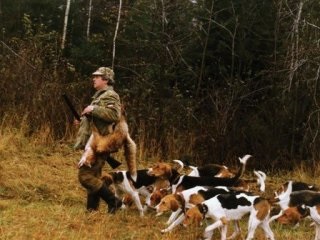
(41, 198)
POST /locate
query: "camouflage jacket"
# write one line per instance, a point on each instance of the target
(106, 111)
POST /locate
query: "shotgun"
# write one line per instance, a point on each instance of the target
(110, 160)
(71, 107)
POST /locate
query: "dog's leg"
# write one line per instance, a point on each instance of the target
(126, 186)
(146, 203)
(178, 221)
(208, 231)
(136, 199)
(173, 216)
(317, 236)
(144, 192)
(252, 225)
(237, 230)
(223, 233)
(314, 214)
(267, 230)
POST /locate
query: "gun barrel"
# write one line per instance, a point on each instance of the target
(71, 107)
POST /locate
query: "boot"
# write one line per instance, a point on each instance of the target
(113, 202)
(93, 200)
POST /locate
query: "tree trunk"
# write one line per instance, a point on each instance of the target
(116, 33)
(89, 19)
(66, 17)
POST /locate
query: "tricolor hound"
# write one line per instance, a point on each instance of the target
(298, 204)
(232, 206)
(123, 181)
(214, 170)
(180, 182)
(178, 203)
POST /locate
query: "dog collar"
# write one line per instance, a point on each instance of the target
(203, 208)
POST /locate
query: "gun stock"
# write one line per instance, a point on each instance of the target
(112, 162)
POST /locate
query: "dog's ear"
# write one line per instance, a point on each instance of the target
(196, 199)
(174, 205)
(168, 171)
(181, 200)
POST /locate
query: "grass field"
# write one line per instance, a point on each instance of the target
(40, 198)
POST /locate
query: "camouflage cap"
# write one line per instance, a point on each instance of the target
(106, 72)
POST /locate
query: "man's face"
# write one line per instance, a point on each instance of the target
(98, 82)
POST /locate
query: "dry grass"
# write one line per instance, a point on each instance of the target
(40, 198)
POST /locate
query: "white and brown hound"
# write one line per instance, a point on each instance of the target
(231, 206)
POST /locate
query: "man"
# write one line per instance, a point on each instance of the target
(103, 112)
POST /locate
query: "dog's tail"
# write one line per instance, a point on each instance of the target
(243, 161)
(130, 150)
(261, 178)
(274, 217)
(180, 163)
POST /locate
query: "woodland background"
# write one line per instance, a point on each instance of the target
(211, 79)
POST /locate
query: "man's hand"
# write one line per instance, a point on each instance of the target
(76, 122)
(83, 161)
(88, 109)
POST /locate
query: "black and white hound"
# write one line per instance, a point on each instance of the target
(143, 186)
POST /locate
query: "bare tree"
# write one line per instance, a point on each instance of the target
(116, 33)
(294, 64)
(66, 17)
(89, 19)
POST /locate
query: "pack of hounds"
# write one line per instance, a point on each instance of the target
(218, 195)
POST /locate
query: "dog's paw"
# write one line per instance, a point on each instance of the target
(159, 214)
(165, 230)
(141, 214)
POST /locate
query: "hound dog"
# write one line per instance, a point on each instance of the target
(180, 182)
(222, 171)
(296, 186)
(156, 196)
(214, 170)
(240, 185)
(296, 205)
(179, 202)
(232, 206)
(291, 214)
(143, 185)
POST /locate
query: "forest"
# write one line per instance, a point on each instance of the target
(206, 79)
